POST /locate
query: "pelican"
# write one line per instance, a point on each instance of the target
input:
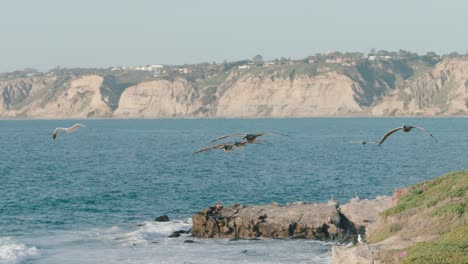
(250, 138)
(405, 128)
(227, 147)
(67, 129)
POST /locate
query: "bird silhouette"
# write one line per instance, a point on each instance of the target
(405, 128)
(250, 138)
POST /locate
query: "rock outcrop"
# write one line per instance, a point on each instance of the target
(296, 220)
(316, 221)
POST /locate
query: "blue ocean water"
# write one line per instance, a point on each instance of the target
(91, 196)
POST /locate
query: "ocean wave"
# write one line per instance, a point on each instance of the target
(12, 252)
(147, 232)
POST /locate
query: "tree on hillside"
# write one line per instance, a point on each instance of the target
(407, 55)
(258, 60)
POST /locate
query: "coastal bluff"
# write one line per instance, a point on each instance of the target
(320, 221)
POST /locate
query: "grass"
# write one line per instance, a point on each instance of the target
(452, 248)
(436, 208)
(431, 193)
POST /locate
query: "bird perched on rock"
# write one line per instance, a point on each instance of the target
(250, 138)
(66, 129)
(361, 240)
(405, 128)
(356, 197)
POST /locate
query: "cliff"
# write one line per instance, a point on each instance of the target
(365, 88)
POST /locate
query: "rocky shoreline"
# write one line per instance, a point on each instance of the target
(424, 223)
(297, 220)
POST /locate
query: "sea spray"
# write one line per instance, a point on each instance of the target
(13, 252)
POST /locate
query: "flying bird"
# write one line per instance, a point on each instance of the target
(230, 146)
(68, 129)
(227, 147)
(250, 138)
(405, 128)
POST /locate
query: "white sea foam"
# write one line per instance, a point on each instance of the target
(12, 252)
(147, 232)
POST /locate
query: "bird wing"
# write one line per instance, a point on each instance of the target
(226, 136)
(56, 132)
(386, 135)
(261, 141)
(268, 133)
(74, 128)
(212, 147)
(425, 130)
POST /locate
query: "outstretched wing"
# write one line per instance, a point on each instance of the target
(268, 133)
(74, 128)
(56, 132)
(260, 141)
(212, 147)
(425, 130)
(386, 135)
(226, 136)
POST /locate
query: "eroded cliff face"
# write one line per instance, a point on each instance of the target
(329, 94)
(440, 90)
(54, 97)
(160, 98)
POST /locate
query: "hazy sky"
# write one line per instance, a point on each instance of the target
(84, 33)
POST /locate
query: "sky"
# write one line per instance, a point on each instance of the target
(90, 33)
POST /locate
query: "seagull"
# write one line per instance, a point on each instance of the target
(68, 129)
(356, 197)
(361, 240)
(250, 138)
(405, 129)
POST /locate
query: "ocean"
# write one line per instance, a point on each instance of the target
(92, 196)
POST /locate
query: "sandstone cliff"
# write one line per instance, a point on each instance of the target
(385, 88)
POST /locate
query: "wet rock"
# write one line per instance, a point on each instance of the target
(188, 241)
(162, 218)
(175, 234)
(267, 221)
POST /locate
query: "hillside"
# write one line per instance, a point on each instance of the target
(356, 86)
(428, 224)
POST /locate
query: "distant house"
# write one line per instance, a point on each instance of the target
(185, 70)
(242, 67)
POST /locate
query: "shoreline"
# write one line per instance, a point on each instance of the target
(232, 118)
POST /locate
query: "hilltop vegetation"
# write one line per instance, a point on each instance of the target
(335, 84)
(434, 212)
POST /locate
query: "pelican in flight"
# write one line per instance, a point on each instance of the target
(250, 138)
(405, 128)
(66, 129)
(227, 147)
(230, 146)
